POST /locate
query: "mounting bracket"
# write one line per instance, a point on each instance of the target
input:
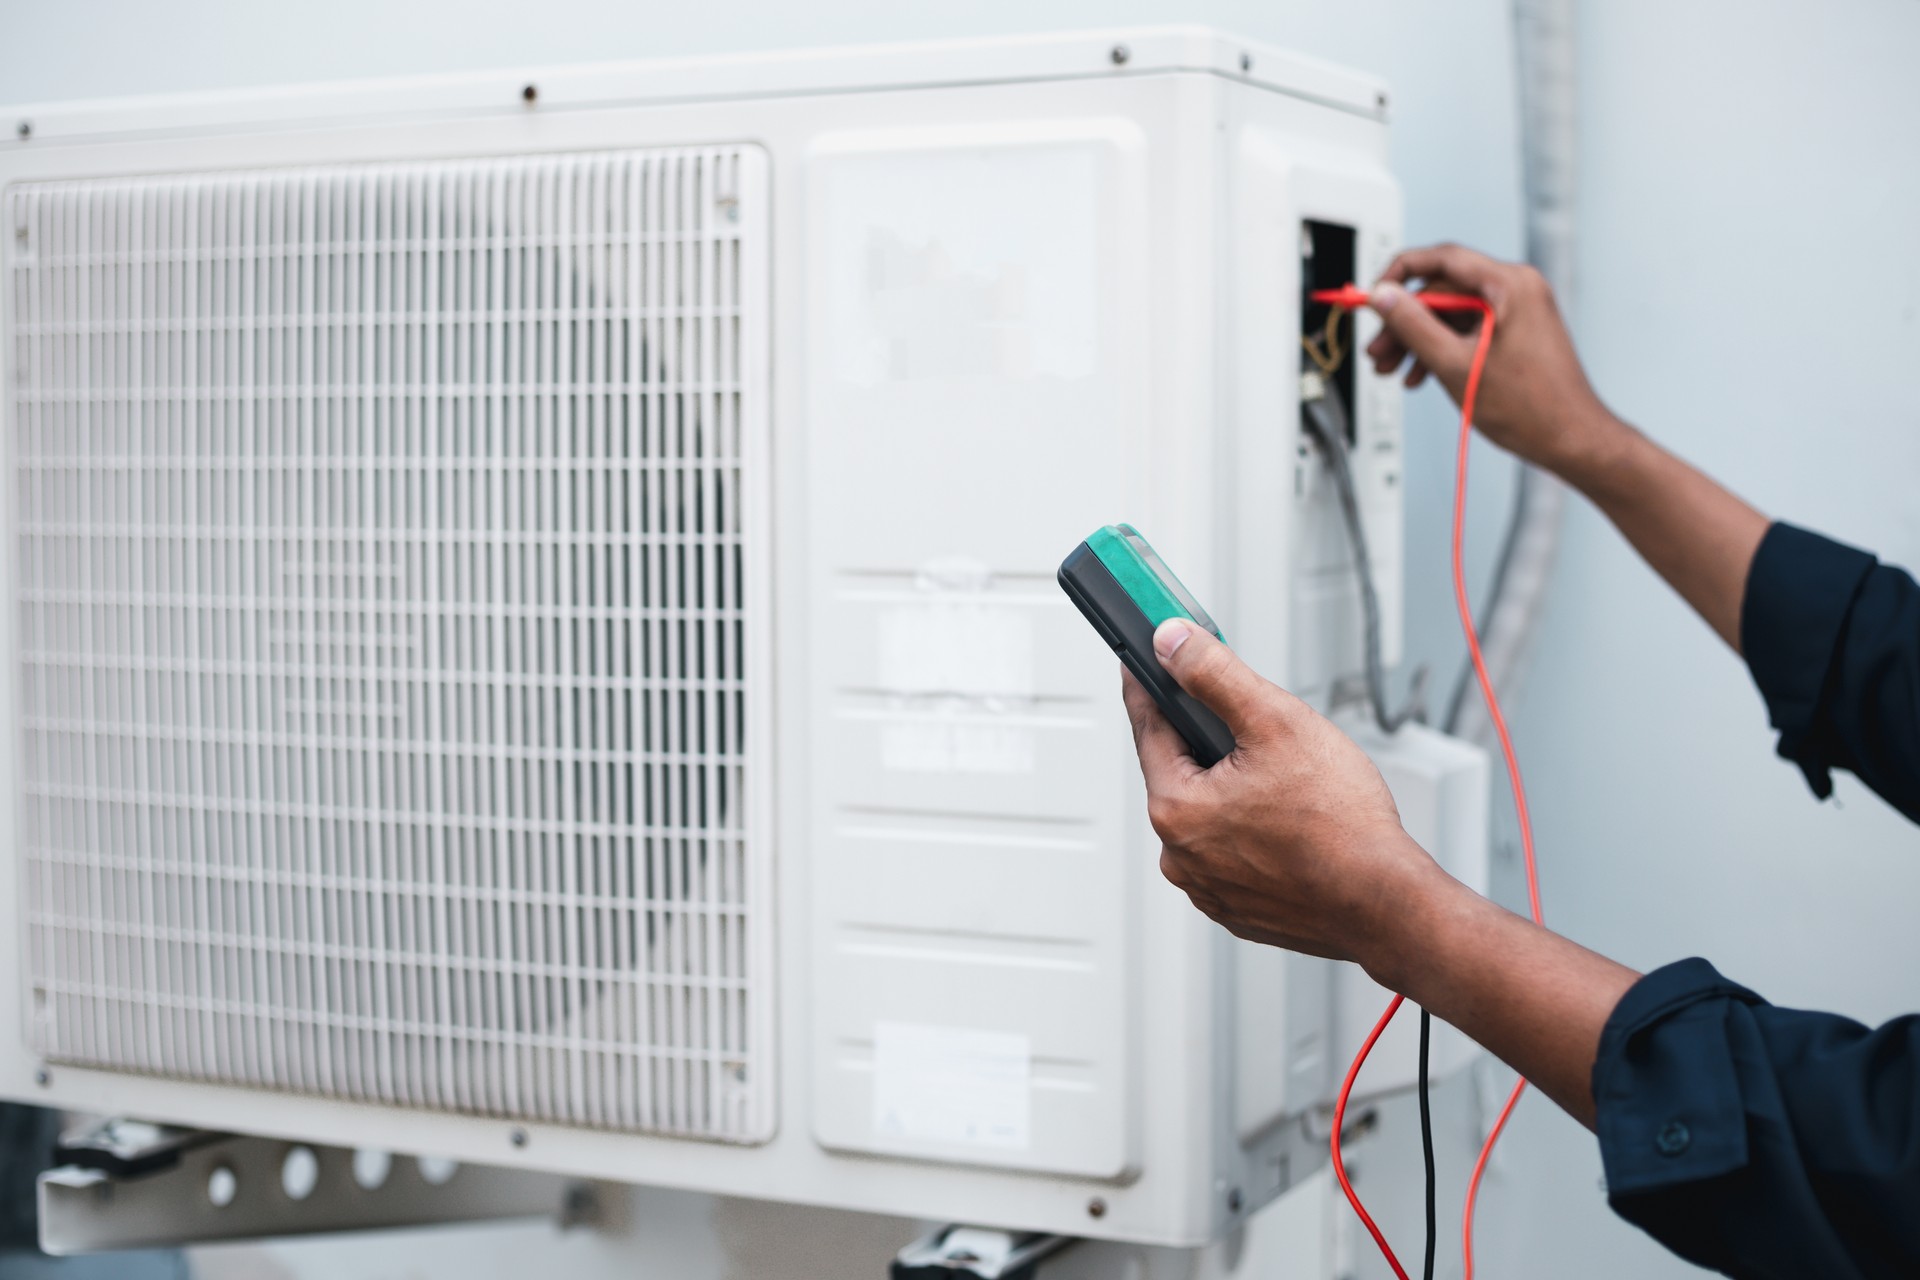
(131, 1185)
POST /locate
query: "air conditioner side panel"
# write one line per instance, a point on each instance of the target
(976, 326)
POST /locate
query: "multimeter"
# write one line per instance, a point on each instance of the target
(1126, 590)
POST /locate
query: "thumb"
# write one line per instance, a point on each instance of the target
(1214, 674)
(1420, 331)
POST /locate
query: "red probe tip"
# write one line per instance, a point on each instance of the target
(1350, 296)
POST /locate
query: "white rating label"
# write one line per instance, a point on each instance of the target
(949, 1084)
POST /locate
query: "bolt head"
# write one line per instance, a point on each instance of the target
(1120, 55)
(1096, 1208)
(1246, 62)
(518, 1137)
(1234, 1201)
(43, 1077)
(24, 129)
(530, 94)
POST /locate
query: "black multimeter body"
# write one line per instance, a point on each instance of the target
(1125, 590)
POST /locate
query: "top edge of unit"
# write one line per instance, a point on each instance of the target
(1123, 51)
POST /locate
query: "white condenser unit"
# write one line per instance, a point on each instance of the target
(532, 634)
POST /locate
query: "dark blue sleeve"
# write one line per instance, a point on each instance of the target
(1832, 637)
(1761, 1142)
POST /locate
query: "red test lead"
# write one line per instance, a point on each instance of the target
(1353, 297)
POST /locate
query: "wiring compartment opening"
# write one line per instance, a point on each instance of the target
(1327, 262)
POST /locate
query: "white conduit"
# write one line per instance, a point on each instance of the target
(1544, 52)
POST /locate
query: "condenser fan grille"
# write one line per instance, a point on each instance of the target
(383, 592)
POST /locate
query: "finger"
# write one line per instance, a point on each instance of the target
(1173, 867)
(1455, 266)
(1416, 376)
(1387, 344)
(1215, 675)
(1438, 347)
(1385, 351)
(1166, 762)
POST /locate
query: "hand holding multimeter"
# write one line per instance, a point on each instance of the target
(1314, 822)
(1126, 591)
(1296, 844)
(1273, 847)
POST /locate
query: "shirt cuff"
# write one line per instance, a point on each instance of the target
(1800, 590)
(1668, 1107)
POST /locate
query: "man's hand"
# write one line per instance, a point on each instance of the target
(1293, 839)
(1534, 399)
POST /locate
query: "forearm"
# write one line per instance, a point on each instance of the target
(1532, 998)
(1694, 533)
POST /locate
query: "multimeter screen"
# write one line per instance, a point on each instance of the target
(1153, 561)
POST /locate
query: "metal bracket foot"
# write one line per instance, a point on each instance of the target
(975, 1253)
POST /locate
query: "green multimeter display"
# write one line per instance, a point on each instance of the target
(1126, 590)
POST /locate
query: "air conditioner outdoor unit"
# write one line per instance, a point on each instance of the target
(533, 635)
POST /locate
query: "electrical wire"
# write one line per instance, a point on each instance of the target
(1339, 1119)
(1463, 682)
(1426, 1149)
(1317, 356)
(1324, 416)
(1321, 360)
(1468, 399)
(1352, 296)
(1326, 352)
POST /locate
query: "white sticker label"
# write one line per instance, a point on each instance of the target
(957, 666)
(968, 646)
(933, 274)
(939, 737)
(948, 1084)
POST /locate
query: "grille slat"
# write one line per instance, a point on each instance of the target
(381, 603)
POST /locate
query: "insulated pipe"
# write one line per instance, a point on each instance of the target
(1544, 56)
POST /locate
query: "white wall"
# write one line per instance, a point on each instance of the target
(1742, 162)
(1751, 297)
